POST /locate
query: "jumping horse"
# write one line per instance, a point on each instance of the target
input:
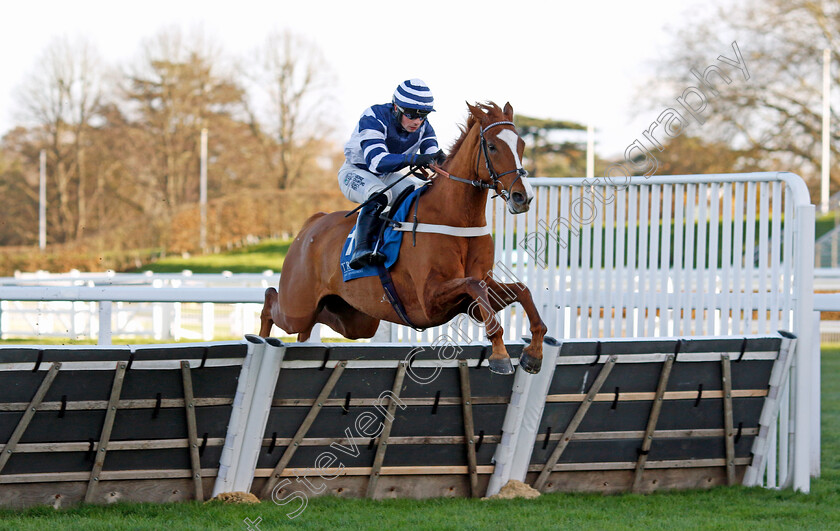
(436, 277)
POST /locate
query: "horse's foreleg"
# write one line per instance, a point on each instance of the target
(438, 297)
(503, 295)
(266, 321)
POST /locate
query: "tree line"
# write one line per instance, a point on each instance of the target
(773, 122)
(122, 143)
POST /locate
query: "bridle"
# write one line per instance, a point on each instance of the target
(496, 177)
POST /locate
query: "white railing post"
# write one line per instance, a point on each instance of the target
(105, 309)
(175, 324)
(208, 321)
(803, 313)
(157, 321)
(815, 398)
(383, 333)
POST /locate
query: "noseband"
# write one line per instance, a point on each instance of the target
(496, 177)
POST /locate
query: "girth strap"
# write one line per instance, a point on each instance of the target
(393, 298)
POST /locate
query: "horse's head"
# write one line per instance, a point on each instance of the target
(500, 149)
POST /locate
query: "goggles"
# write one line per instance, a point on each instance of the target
(413, 114)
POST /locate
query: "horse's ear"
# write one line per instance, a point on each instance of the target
(508, 110)
(475, 111)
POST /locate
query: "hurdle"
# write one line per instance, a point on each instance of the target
(104, 424)
(292, 421)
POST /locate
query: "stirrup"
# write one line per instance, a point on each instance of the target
(376, 258)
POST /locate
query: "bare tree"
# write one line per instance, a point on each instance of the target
(177, 89)
(61, 98)
(124, 156)
(770, 106)
(290, 99)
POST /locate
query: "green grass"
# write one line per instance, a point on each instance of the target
(268, 254)
(723, 508)
(719, 508)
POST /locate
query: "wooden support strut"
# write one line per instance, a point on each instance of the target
(107, 426)
(28, 414)
(729, 432)
(655, 409)
(469, 427)
(274, 478)
(573, 425)
(192, 431)
(386, 431)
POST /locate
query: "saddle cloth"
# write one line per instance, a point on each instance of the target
(389, 245)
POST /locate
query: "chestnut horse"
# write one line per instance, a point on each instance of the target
(439, 278)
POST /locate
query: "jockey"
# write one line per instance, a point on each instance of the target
(388, 138)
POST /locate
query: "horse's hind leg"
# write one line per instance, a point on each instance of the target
(266, 320)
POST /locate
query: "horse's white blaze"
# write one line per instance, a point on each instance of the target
(512, 139)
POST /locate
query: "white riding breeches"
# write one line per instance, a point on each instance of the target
(358, 185)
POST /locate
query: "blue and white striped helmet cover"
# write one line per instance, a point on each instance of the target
(414, 94)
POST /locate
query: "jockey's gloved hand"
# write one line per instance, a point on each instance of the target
(440, 157)
(422, 161)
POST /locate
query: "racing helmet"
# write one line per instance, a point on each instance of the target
(413, 98)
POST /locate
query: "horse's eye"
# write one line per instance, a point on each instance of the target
(491, 147)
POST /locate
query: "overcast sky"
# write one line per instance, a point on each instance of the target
(569, 60)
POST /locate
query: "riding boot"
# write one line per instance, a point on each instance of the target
(367, 232)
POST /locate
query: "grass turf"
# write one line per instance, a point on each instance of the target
(268, 254)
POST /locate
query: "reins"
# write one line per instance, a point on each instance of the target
(413, 170)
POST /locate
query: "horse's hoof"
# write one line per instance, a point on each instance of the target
(501, 366)
(529, 364)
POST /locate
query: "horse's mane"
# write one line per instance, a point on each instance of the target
(492, 112)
